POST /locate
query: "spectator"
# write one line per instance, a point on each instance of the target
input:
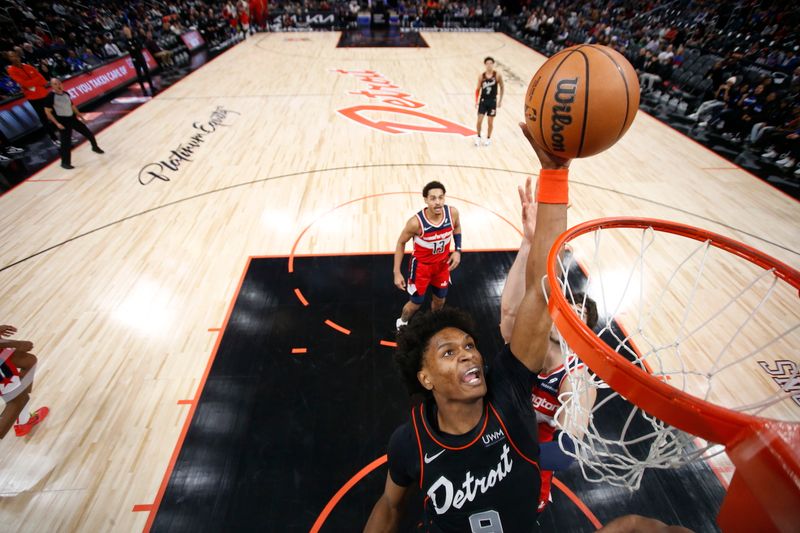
(710, 108)
(164, 57)
(110, 49)
(76, 64)
(99, 47)
(649, 75)
(34, 89)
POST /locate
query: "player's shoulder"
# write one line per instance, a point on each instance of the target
(403, 440)
(453, 212)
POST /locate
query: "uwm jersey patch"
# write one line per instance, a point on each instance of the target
(432, 245)
(478, 486)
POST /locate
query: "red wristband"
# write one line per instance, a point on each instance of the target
(553, 186)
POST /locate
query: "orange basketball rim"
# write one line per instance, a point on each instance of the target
(764, 494)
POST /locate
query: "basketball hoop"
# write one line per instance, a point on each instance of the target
(686, 314)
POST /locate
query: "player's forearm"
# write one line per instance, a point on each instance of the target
(399, 252)
(551, 221)
(384, 518)
(513, 291)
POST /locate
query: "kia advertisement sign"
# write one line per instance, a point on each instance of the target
(193, 40)
(90, 85)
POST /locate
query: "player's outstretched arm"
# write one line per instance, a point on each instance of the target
(411, 228)
(514, 289)
(531, 332)
(385, 516)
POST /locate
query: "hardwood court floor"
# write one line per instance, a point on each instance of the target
(122, 286)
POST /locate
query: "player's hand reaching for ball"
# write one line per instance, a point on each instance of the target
(454, 260)
(548, 160)
(7, 331)
(399, 281)
(528, 210)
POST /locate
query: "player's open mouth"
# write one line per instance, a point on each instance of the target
(472, 376)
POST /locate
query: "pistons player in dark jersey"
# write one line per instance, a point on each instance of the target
(433, 229)
(487, 99)
(471, 446)
(550, 385)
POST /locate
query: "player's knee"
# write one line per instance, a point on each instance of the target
(22, 398)
(23, 346)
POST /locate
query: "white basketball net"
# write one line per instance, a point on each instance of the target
(704, 320)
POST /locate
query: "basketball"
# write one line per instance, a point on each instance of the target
(582, 101)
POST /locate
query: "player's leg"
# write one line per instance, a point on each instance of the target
(418, 280)
(19, 346)
(25, 419)
(440, 281)
(14, 408)
(490, 113)
(16, 389)
(478, 128)
(410, 308)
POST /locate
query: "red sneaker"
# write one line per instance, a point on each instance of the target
(23, 429)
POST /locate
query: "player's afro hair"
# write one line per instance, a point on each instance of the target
(413, 340)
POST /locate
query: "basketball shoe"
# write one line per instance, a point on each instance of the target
(23, 429)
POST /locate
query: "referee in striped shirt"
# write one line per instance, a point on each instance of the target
(65, 116)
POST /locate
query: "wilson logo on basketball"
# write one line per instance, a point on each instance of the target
(394, 100)
(562, 111)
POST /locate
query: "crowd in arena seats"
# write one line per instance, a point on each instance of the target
(732, 68)
(66, 37)
(410, 13)
(727, 73)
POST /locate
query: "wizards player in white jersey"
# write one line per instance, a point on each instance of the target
(471, 446)
(433, 229)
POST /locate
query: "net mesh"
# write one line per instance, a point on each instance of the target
(701, 319)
